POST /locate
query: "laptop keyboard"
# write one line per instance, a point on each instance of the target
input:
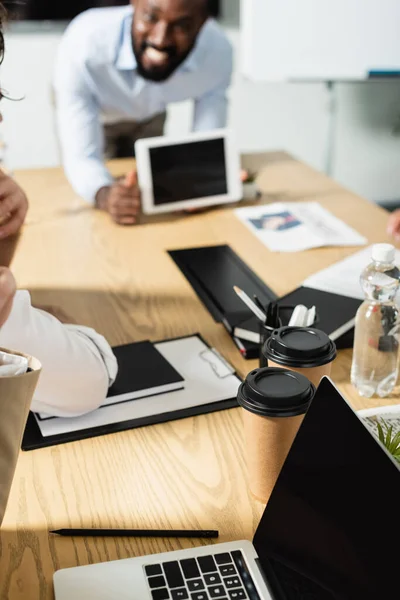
(224, 576)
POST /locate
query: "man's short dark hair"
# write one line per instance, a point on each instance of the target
(213, 7)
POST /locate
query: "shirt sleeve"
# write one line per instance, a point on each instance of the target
(78, 365)
(79, 126)
(211, 109)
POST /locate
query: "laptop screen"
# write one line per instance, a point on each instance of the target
(331, 528)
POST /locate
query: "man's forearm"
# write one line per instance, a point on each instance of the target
(78, 367)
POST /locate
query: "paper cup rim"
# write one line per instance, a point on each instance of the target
(33, 363)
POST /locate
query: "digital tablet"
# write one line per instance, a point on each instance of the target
(198, 170)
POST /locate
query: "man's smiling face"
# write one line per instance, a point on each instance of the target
(163, 34)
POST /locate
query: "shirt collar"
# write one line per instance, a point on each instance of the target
(125, 59)
(190, 63)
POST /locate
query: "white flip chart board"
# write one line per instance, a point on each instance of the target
(335, 40)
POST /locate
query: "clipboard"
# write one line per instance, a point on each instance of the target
(160, 408)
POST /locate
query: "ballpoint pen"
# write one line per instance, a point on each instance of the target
(258, 303)
(250, 304)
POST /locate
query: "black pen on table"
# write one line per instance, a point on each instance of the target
(258, 303)
(181, 533)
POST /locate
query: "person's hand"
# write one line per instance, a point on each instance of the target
(13, 206)
(393, 226)
(7, 292)
(121, 200)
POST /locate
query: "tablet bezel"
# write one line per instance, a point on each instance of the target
(145, 181)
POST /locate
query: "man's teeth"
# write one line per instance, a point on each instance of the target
(156, 56)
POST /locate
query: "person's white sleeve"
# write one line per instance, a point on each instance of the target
(79, 126)
(211, 109)
(78, 365)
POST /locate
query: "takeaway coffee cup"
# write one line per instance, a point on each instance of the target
(274, 402)
(303, 349)
(16, 393)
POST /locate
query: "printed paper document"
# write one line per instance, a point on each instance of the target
(295, 226)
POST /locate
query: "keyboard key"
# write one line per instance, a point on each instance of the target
(195, 584)
(212, 579)
(190, 568)
(245, 574)
(173, 574)
(207, 564)
(200, 596)
(237, 594)
(161, 594)
(217, 591)
(179, 594)
(153, 570)
(155, 582)
(227, 570)
(223, 558)
(232, 582)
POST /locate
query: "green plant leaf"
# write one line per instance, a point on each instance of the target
(393, 448)
(394, 443)
(380, 432)
(389, 431)
(396, 439)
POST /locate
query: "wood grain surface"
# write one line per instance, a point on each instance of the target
(120, 280)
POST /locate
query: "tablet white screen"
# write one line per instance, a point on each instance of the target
(188, 171)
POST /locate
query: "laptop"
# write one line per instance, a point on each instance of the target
(330, 530)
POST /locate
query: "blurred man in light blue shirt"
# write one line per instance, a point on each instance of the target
(117, 71)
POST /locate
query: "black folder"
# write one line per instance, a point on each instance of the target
(33, 438)
(212, 272)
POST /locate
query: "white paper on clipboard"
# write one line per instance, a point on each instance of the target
(208, 378)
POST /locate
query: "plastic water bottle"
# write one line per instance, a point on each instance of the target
(375, 357)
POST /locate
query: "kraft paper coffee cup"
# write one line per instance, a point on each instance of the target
(306, 350)
(274, 402)
(16, 393)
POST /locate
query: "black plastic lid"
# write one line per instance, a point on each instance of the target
(299, 347)
(275, 392)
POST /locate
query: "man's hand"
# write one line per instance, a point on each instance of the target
(121, 200)
(13, 206)
(7, 292)
(393, 226)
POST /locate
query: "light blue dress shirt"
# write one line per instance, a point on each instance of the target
(96, 81)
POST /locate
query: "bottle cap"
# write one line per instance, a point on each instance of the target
(384, 253)
(275, 392)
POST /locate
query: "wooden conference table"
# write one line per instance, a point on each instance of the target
(120, 280)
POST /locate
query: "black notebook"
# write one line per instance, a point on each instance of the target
(248, 330)
(247, 349)
(335, 313)
(142, 371)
